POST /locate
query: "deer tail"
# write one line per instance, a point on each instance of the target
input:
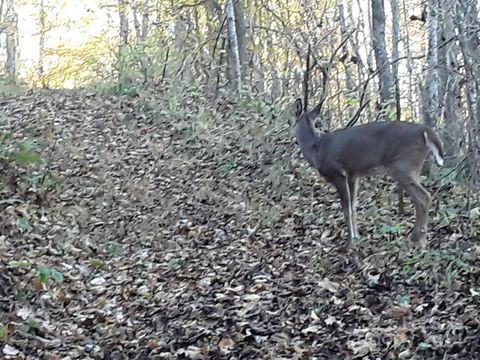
(434, 144)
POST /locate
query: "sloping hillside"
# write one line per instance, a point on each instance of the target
(182, 228)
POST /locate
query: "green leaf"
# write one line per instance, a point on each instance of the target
(57, 276)
(352, 101)
(408, 270)
(372, 212)
(97, 263)
(404, 300)
(228, 167)
(19, 264)
(395, 229)
(6, 137)
(19, 296)
(409, 261)
(26, 146)
(174, 263)
(424, 346)
(33, 178)
(392, 115)
(26, 158)
(24, 224)
(33, 325)
(373, 280)
(43, 274)
(115, 250)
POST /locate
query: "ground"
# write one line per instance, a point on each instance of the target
(179, 228)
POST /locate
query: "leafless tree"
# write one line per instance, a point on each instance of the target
(233, 49)
(466, 20)
(41, 43)
(449, 80)
(430, 89)
(396, 55)
(9, 26)
(385, 77)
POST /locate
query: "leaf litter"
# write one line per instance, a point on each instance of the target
(161, 234)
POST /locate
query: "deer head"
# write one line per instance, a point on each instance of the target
(396, 148)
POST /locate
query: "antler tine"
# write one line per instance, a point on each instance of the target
(325, 70)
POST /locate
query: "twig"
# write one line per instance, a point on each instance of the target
(362, 106)
(325, 70)
(463, 162)
(11, 201)
(306, 79)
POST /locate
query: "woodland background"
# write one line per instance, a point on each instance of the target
(408, 60)
(154, 206)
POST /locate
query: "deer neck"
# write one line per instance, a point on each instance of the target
(308, 141)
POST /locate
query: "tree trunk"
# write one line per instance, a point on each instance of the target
(141, 30)
(385, 77)
(276, 86)
(396, 56)
(122, 13)
(136, 23)
(123, 33)
(449, 80)
(215, 30)
(345, 56)
(241, 35)
(409, 65)
(233, 51)
(468, 30)
(363, 70)
(41, 45)
(145, 20)
(259, 75)
(11, 42)
(430, 89)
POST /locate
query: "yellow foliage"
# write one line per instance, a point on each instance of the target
(76, 66)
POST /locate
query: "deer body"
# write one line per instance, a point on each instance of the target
(398, 149)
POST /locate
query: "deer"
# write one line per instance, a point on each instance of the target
(394, 148)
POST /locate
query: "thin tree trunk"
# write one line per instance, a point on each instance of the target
(215, 29)
(396, 55)
(141, 30)
(41, 44)
(259, 75)
(11, 43)
(123, 33)
(449, 80)
(233, 51)
(241, 31)
(410, 66)
(136, 23)
(276, 88)
(122, 13)
(385, 77)
(348, 76)
(145, 20)
(468, 30)
(285, 73)
(430, 90)
(363, 22)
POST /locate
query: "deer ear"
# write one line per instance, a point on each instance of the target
(298, 107)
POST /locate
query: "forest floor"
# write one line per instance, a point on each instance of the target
(171, 228)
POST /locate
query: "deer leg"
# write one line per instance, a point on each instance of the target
(353, 187)
(343, 188)
(421, 199)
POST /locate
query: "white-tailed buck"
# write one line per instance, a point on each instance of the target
(396, 148)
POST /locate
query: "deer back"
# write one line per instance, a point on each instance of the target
(372, 148)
